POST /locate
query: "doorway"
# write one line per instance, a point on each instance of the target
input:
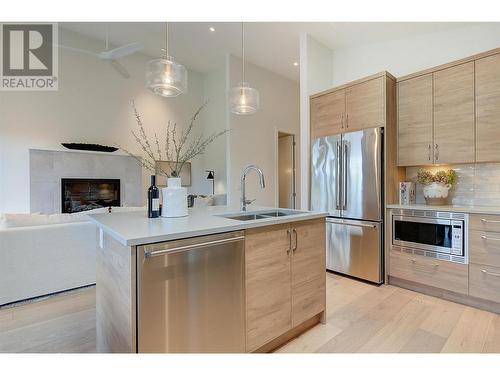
(286, 170)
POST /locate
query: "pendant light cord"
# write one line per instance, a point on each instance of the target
(242, 53)
(166, 38)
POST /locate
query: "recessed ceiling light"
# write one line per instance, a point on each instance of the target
(295, 63)
(212, 29)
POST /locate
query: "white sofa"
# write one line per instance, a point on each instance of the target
(45, 254)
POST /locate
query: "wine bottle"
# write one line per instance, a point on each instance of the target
(153, 199)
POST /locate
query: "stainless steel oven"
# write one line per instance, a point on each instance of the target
(431, 233)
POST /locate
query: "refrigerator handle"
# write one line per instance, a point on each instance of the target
(344, 172)
(338, 174)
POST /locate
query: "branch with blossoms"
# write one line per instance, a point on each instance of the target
(176, 148)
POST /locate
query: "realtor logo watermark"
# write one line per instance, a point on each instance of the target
(28, 57)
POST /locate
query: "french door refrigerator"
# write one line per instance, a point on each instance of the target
(347, 182)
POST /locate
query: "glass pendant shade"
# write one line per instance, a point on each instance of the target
(243, 99)
(165, 77)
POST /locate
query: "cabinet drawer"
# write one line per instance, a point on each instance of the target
(485, 248)
(429, 271)
(484, 282)
(490, 223)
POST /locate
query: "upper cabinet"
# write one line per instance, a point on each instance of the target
(451, 113)
(436, 117)
(488, 109)
(454, 114)
(327, 114)
(357, 106)
(365, 105)
(415, 121)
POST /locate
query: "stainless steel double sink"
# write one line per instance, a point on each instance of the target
(264, 214)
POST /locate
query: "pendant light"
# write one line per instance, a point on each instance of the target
(243, 99)
(164, 76)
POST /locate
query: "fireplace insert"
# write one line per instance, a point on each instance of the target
(83, 194)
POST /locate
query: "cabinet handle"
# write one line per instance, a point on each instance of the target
(490, 238)
(435, 265)
(347, 120)
(342, 121)
(296, 240)
(429, 152)
(490, 273)
(289, 233)
(436, 153)
(490, 221)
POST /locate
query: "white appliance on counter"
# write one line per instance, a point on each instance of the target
(347, 182)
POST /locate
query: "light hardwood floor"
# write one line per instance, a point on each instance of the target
(360, 318)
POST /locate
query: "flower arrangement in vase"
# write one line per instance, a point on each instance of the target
(437, 185)
(179, 148)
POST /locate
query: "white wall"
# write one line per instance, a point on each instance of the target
(409, 55)
(93, 105)
(253, 138)
(316, 74)
(214, 120)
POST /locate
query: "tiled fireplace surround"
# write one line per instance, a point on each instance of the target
(48, 167)
(477, 184)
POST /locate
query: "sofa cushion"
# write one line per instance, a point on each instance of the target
(22, 220)
(36, 219)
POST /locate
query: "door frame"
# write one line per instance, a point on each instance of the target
(277, 131)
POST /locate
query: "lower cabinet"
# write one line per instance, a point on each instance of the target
(484, 282)
(478, 282)
(484, 267)
(429, 271)
(285, 278)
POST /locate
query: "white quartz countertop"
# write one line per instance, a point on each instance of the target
(135, 228)
(449, 208)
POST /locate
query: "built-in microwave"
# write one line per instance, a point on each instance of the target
(436, 234)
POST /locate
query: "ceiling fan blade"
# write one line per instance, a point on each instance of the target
(122, 51)
(120, 68)
(80, 50)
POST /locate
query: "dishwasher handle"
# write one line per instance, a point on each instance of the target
(150, 254)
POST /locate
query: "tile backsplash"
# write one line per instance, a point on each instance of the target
(477, 184)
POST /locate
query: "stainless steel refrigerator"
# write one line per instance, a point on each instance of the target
(347, 182)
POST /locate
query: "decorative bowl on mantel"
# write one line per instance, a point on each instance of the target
(437, 185)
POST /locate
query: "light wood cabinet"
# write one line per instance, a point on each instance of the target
(355, 106)
(429, 271)
(451, 113)
(285, 278)
(365, 105)
(268, 284)
(327, 114)
(489, 223)
(484, 248)
(308, 270)
(488, 109)
(454, 114)
(484, 282)
(415, 121)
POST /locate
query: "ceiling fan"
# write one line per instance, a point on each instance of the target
(112, 55)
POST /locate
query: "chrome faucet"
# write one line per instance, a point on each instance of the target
(244, 200)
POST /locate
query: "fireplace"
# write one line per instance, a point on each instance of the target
(83, 194)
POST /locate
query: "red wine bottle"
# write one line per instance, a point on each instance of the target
(153, 199)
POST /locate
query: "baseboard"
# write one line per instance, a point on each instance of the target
(446, 294)
(45, 296)
(286, 337)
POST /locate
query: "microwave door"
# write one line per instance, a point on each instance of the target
(326, 175)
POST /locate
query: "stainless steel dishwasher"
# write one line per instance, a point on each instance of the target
(190, 295)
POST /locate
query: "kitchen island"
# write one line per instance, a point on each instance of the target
(217, 280)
